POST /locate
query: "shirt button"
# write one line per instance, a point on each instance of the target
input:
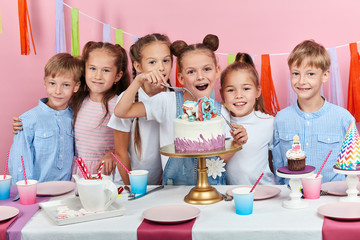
(59, 120)
(44, 134)
(308, 123)
(19, 170)
(61, 138)
(329, 139)
(60, 155)
(58, 113)
(307, 144)
(287, 137)
(308, 115)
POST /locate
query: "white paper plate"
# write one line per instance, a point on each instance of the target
(336, 188)
(171, 213)
(261, 191)
(54, 188)
(7, 212)
(341, 210)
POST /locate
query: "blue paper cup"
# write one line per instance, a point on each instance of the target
(138, 181)
(244, 200)
(5, 186)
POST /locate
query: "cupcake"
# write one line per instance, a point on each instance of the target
(295, 156)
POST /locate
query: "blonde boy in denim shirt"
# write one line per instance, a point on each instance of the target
(320, 125)
(47, 143)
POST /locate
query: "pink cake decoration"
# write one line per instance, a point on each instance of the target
(349, 156)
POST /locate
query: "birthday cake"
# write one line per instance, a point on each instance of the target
(295, 156)
(349, 156)
(199, 128)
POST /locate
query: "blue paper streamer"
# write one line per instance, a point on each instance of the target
(60, 39)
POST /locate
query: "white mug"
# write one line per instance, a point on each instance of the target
(96, 195)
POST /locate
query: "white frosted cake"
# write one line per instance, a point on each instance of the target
(199, 129)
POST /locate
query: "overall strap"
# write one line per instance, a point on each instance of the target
(218, 107)
(179, 103)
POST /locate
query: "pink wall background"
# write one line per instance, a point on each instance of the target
(257, 27)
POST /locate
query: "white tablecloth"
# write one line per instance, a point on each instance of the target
(216, 221)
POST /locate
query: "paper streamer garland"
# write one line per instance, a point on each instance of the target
(231, 58)
(60, 40)
(0, 25)
(106, 33)
(354, 85)
(119, 37)
(335, 80)
(75, 43)
(270, 100)
(24, 31)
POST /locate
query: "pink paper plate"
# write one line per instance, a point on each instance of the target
(261, 191)
(336, 188)
(171, 213)
(341, 210)
(54, 188)
(7, 212)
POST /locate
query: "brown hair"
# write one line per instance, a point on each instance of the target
(64, 64)
(136, 55)
(317, 55)
(244, 62)
(121, 62)
(209, 45)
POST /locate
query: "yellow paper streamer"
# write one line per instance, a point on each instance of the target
(75, 43)
(0, 25)
(119, 37)
(231, 58)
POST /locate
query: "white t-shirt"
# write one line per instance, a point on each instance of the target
(246, 166)
(162, 108)
(149, 133)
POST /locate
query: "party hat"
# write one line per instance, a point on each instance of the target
(349, 156)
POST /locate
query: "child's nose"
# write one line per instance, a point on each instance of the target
(58, 90)
(161, 66)
(98, 74)
(302, 79)
(200, 76)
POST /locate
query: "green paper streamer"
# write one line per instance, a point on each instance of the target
(119, 37)
(0, 25)
(75, 43)
(231, 58)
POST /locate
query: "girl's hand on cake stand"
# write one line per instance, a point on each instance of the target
(239, 134)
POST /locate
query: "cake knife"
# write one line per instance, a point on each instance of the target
(228, 123)
(152, 190)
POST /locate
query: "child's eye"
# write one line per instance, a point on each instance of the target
(67, 85)
(152, 62)
(311, 74)
(207, 69)
(106, 70)
(51, 83)
(92, 68)
(166, 60)
(190, 72)
(247, 89)
(295, 74)
(230, 90)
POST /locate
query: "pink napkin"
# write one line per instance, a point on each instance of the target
(149, 230)
(4, 226)
(340, 229)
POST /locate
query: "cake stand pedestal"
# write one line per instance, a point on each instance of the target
(203, 192)
(352, 181)
(295, 201)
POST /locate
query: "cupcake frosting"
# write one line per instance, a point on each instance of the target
(295, 152)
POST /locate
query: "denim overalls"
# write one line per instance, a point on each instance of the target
(183, 171)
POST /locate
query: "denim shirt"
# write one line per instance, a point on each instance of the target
(46, 144)
(183, 171)
(319, 133)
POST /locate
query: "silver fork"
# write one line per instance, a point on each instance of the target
(228, 123)
(178, 88)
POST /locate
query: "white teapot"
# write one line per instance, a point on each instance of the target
(96, 195)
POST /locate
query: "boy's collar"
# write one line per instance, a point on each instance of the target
(318, 113)
(42, 104)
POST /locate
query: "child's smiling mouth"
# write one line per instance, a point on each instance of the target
(202, 87)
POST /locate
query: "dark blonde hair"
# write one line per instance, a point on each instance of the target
(244, 62)
(136, 55)
(121, 62)
(316, 54)
(64, 64)
(209, 45)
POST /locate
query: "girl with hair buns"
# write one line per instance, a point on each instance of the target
(198, 72)
(137, 139)
(241, 94)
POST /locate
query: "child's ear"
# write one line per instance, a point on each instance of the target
(118, 76)
(181, 78)
(137, 66)
(218, 72)
(77, 86)
(258, 93)
(326, 75)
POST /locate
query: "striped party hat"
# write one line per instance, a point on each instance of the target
(349, 156)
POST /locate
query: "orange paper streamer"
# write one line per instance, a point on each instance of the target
(267, 86)
(353, 104)
(24, 31)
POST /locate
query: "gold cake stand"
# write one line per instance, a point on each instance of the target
(203, 192)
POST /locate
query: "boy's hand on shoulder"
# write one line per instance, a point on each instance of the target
(17, 125)
(239, 134)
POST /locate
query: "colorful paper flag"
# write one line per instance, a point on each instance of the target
(106, 33)
(60, 40)
(119, 37)
(231, 58)
(24, 20)
(353, 103)
(335, 88)
(75, 43)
